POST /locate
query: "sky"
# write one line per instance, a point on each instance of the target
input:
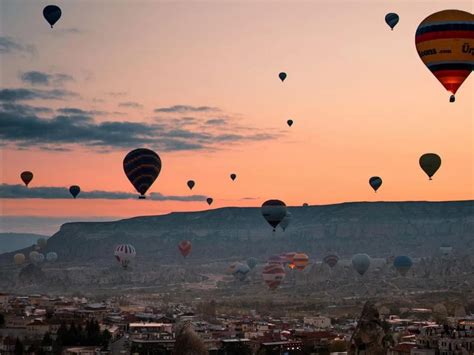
(198, 83)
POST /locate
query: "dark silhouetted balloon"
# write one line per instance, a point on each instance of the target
(430, 163)
(191, 184)
(273, 211)
(233, 176)
(402, 263)
(331, 260)
(52, 14)
(209, 201)
(392, 19)
(289, 123)
(26, 177)
(445, 43)
(361, 263)
(142, 167)
(282, 76)
(185, 247)
(452, 98)
(305, 204)
(286, 221)
(375, 182)
(74, 190)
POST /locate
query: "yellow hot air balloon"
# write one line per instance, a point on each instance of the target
(300, 261)
(445, 44)
(19, 258)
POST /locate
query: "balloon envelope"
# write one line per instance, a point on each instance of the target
(300, 261)
(286, 221)
(185, 247)
(273, 275)
(52, 14)
(251, 262)
(51, 256)
(289, 123)
(361, 263)
(209, 200)
(392, 19)
(191, 184)
(331, 260)
(19, 258)
(142, 166)
(74, 190)
(125, 253)
(445, 43)
(430, 163)
(375, 182)
(273, 211)
(26, 177)
(282, 76)
(42, 242)
(240, 271)
(402, 263)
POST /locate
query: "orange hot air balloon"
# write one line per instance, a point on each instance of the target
(300, 261)
(445, 44)
(185, 247)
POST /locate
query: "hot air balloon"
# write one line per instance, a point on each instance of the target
(209, 200)
(392, 19)
(124, 253)
(446, 249)
(251, 262)
(231, 268)
(34, 256)
(273, 275)
(233, 176)
(300, 260)
(445, 44)
(289, 123)
(191, 184)
(430, 163)
(74, 190)
(184, 247)
(276, 259)
(361, 263)
(305, 204)
(375, 182)
(52, 14)
(142, 167)
(26, 177)
(402, 263)
(289, 257)
(282, 76)
(274, 211)
(240, 271)
(286, 221)
(51, 257)
(42, 242)
(19, 258)
(331, 260)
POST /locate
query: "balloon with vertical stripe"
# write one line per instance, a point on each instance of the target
(273, 275)
(125, 253)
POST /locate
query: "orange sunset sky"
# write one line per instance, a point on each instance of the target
(362, 101)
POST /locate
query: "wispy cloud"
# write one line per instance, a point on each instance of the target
(9, 45)
(186, 109)
(130, 104)
(22, 94)
(34, 77)
(66, 31)
(22, 192)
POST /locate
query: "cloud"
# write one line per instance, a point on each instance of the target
(65, 31)
(22, 94)
(26, 127)
(117, 93)
(186, 108)
(40, 78)
(22, 192)
(216, 121)
(9, 45)
(130, 104)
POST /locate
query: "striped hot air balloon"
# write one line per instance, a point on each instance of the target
(290, 259)
(185, 247)
(273, 275)
(445, 44)
(300, 260)
(142, 167)
(331, 260)
(124, 253)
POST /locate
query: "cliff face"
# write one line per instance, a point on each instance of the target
(379, 229)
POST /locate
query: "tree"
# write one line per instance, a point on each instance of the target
(188, 342)
(106, 336)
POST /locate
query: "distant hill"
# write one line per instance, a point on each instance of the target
(377, 228)
(14, 241)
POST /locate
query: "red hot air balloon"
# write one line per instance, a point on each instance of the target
(26, 177)
(273, 275)
(185, 247)
(142, 167)
(331, 260)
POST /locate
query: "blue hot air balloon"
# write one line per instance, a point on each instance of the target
(392, 19)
